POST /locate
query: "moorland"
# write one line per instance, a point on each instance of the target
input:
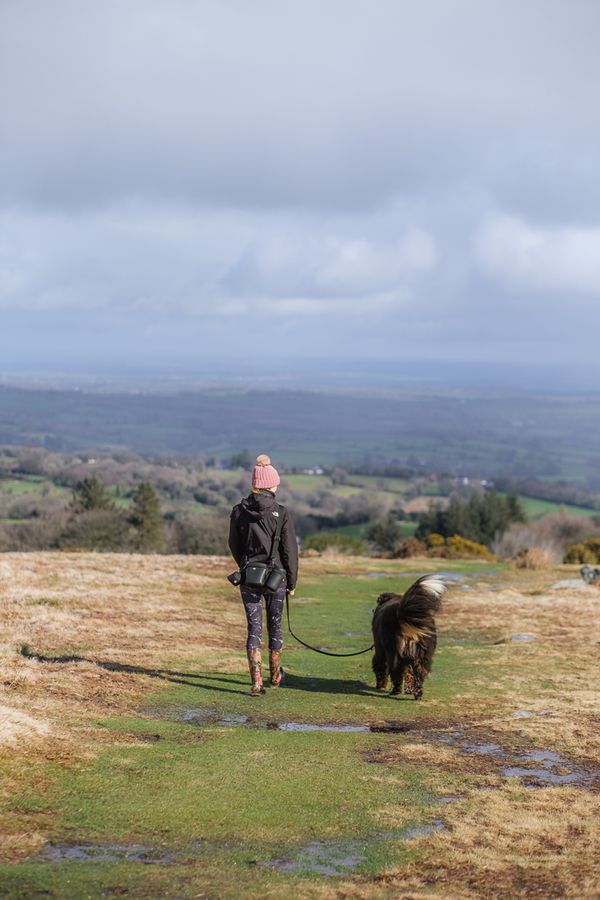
(135, 764)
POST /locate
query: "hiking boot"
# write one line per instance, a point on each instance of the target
(275, 667)
(281, 677)
(255, 666)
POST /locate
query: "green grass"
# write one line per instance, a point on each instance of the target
(535, 509)
(307, 483)
(407, 529)
(227, 476)
(393, 485)
(28, 485)
(250, 792)
(346, 490)
(187, 790)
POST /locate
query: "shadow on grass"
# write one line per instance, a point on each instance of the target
(308, 683)
(188, 678)
(320, 685)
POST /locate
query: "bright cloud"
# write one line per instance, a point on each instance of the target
(533, 257)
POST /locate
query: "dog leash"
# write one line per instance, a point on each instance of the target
(316, 649)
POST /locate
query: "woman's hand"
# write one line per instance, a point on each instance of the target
(291, 593)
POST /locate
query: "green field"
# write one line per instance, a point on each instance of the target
(535, 509)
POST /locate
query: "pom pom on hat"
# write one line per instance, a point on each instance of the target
(265, 475)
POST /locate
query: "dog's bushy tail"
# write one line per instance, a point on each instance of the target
(419, 603)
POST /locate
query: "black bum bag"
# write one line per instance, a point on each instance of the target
(262, 577)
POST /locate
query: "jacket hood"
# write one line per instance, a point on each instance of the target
(256, 505)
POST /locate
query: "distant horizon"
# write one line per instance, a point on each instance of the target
(315, 373)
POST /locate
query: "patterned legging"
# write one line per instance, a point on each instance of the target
(253, 606)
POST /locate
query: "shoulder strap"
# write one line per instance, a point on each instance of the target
(277, 535)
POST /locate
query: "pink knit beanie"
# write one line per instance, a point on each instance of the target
(265, 475)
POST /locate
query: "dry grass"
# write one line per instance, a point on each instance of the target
(534, 558)
(153, 611)
(138, 610)
(511, 845)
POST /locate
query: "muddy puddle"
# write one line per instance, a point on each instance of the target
(321, 858)
(535, 768)
(328, 858)
(528, 714)
(201, 717)
(331, 858)
(101, 853)
(572, 584)
(307, 726)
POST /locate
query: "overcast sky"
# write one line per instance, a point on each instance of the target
(182, 180)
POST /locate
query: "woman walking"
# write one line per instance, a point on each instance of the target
(252, 539)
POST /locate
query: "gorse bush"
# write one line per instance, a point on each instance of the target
(585, 552)
(458, 547)
(454, 547)
(411, 547)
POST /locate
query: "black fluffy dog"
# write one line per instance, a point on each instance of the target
(404, 635)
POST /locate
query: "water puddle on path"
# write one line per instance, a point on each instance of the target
(202, 717)
(328, 858)
(306, 726)
(572, 584)
(553, 769)
(536, 768)
(108, 853)
(331, 858)
(321, 858)
(384, 728)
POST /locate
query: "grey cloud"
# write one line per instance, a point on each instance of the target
(201, 263)
(414, 176)
(339, 104)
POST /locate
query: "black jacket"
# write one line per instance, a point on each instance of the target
(251, 530)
